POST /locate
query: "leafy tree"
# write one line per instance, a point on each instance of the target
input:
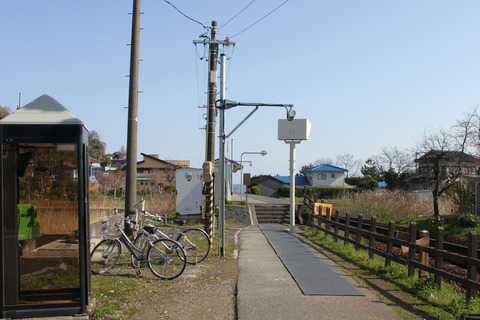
(367, 183)
(371, 170)
(96, 146)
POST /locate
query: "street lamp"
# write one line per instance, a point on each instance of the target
(263, 153)
(222, 104)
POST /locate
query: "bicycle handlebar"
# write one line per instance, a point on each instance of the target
(151, 215)
(127, 219)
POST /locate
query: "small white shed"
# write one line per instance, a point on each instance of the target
(189, 186)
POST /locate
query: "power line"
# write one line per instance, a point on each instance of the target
(186, 16)
(265, 16)
(248, 5)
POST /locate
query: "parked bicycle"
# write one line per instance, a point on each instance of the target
(196, 242)
(165, 257)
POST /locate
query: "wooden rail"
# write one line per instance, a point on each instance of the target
(364, 235)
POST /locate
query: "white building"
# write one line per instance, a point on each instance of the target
(326, 175)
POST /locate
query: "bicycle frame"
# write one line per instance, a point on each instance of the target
(136, 252)
(178, 231)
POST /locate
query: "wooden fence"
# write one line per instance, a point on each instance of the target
(365, 234)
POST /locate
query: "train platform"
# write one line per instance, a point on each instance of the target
(280, 277)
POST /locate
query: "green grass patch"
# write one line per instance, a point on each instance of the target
(228, 249)
(59, 279)
(110, 293)
(455, 224)
(447, 302)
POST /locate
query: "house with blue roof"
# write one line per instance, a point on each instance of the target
(324, 175)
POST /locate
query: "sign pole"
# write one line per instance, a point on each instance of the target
(292, 184)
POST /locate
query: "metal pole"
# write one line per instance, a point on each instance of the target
(221, 138)
(263, 153)
(131, 174)
(241, 177)
(292, 184)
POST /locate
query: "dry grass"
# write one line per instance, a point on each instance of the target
(390, 204)
(56, 216)
(61, 217)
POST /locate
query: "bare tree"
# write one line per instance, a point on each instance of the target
(112, 181)
(324, 161)
(348, 162)
(398, 160)
(162, 178)
(316, 163)
(4, 111)
(444, 155)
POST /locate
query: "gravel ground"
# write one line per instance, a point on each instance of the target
(203, 291)
(208, 290)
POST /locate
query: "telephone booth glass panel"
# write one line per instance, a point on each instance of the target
(42, 239)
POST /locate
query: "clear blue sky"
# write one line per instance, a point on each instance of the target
(367, 74)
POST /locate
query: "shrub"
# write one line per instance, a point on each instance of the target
(318, 192)
(463, 199)
(466, 220)
(255, 190)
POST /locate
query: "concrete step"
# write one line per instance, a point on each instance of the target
(272, 213)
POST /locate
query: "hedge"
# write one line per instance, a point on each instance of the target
(320, 193)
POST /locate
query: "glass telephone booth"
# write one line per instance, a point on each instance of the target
(44, 232)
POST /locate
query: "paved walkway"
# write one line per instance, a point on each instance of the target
(266, 290)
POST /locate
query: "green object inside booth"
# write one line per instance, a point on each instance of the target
(28, 226)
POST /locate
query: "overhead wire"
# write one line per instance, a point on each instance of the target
(248, 5)
(186, 16)
(265, 16)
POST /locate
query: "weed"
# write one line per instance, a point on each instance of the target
(444, 303)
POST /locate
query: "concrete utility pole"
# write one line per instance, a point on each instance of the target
(211, 119)
(211, 126)
(131, 174)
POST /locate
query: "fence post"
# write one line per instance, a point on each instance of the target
(424, 241)
(337, 220)
(373, 228)
(471, 267)
(412, 237)
(347, 224)
(320, 215)
(439, 238)
(327, 224)
(359, 228)
(391, 231)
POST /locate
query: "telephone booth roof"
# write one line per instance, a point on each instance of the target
(44, 110)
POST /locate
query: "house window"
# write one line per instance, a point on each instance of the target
(322, 176)
(332, 176)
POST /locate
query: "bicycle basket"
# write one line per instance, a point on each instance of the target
(108, 230)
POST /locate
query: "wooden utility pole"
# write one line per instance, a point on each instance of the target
(131, 174)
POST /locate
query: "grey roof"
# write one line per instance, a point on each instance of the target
(43, 110)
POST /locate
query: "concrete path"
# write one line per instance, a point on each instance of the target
(266, 290)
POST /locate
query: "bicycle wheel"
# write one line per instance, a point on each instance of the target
(105, 255)
(196, 244)
(166, 259)
(139, 242)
